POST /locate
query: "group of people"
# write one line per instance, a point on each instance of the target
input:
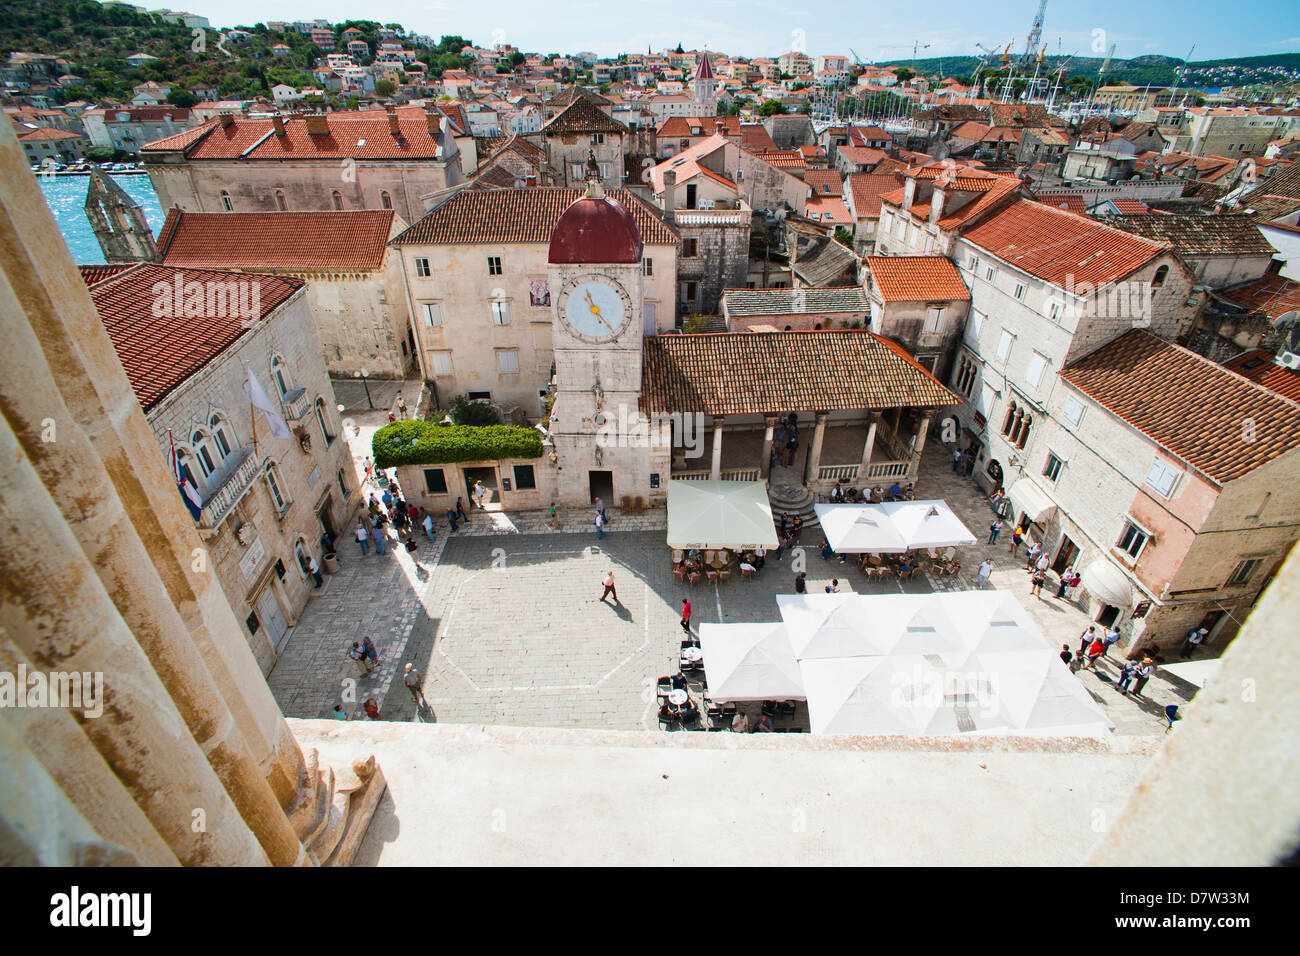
(895, 492)
(785, 439)
(963, 462)
(788, 533)
(1093, 646)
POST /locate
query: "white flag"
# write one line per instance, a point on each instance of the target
(258, 397)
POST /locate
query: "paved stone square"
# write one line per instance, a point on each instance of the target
(504, 619)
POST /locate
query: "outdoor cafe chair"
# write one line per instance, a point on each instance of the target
(712, 576)
(745, 573)
(788, 708)
(677, 556)
(724, 575)
(679, 574)
(950, 553)
(693, 578)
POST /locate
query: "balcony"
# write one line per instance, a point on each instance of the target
(230, 483)
(295, 405)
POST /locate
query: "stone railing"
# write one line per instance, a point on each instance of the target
(296, 405)
(740, 474)
(690, 475)
(837, 473)
(888, 469)
(231, 483)
(711, 217)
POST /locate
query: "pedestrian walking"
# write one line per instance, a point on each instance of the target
(1126, 675)
(600, 525)
(995, 529)
(451, 518)
(800, 585)
(479, 492)
(401, 407)
(1036, 583)
(1086, 638)
(1016, 537)
(1075, 581)
(414, 681)
(371, 706)
(428, 527)
(1144, 672)
(363, 539)
(686, 615)
(370, 470)
(1032, 556)
(1195, 637)
(1112, 637)
(460, 509)
(1095, 650)
(1065, 581)
(378, 538)
(372, 653)
(340, 713)
(1066, 656)
(555, 523)
(956, 460)
(796, 529)
(970, 463)
(982, 575)
(833, 587)
(358, 656)
(609, 587)
(996, 499)
(314, 570)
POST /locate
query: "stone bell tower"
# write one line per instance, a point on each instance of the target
(118, 222)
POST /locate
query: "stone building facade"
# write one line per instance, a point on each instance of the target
(264, 504)
(583, 134)
(371, 159)
(481, 296)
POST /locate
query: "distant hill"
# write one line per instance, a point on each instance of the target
(1153, 69)
(97, 39)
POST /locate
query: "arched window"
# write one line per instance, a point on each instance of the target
(280, 375)
(385, 200)
(323, 421)
(1161, 274)
(186, 459)
(1010, 421)
(300, 552)
(220, 436)
(226, 204)
(203, 454)
(279, 200)
(343, 483)
(276, 488)
(338, 199)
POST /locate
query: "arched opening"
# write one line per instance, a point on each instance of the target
(203, 454)
(385, 200)
(1161, 274)
(338, 199)
(279, 200)
(323, 421)
(274, 485)
(226, 204)
(280, 375)
(220, 436)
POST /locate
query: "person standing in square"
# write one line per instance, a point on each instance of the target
(609, 587)
(686, 615)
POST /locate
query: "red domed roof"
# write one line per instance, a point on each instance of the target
(595, 229)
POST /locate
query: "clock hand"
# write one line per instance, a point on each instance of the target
(595, 310)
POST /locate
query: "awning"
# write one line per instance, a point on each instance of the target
(1032, 500)
(1198, 673)
(1107, 583)
(720, 514)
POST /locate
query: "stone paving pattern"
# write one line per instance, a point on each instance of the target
(504, 620)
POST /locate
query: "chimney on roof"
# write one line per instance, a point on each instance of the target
(937, 201)
(434, 120)
(318, 124)
(227, 120)
(670, 193)
(393, 128)
(278, 122)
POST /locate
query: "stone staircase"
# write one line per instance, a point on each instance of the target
(786, 492)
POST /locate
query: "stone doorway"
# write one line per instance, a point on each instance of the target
(601, 485)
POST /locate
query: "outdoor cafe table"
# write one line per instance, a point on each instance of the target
(678, 697)
(692, 654)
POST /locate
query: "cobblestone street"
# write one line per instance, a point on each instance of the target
(503, 618)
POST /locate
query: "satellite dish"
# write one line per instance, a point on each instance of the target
(1287, 320)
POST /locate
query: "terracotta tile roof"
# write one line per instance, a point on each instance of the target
(1052, 244)
(861, 155)
(1074, 204)
(1130, 207)
(1258, 366)
(1192, 236)
(181, 140)
(1188, 404)
(1270, 295)
(827, 209)
(276, 240)
(498, 145)
(824, 182)
(582, 116)
(47, 132)
(525, 214)
(768, 372)
(718, 177)
(359, 134)
(755, 138)
(785, 159)
(746, 302)
(866, 190)
(160, 352)
(916, 278)
(971, 130)
(98, 273)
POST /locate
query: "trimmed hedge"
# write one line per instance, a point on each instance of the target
(426, 443)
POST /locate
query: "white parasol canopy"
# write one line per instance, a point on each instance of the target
(892, 526)
(750, 662)
(720, 514)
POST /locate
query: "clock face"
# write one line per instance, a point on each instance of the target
(595, 309)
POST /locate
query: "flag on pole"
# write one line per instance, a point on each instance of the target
(258, 397)
(189, 494)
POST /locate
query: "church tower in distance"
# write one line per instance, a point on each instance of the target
(118, 222)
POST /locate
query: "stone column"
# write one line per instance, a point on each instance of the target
(863, 478)
(815, 455)
(914, 467)
(716, 471)
(765, 463)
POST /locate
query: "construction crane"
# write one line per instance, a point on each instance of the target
(1035, 35)
(1178, 74)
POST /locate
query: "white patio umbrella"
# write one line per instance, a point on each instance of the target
(927, 524)
(859, 529)
(863, 695)
(750, 662)
(720, 514)
(830, 625)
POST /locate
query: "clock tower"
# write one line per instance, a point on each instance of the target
(596, 282)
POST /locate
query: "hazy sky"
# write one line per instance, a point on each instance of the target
(876, 31)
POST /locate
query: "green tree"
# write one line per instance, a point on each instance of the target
(771, 108)
(385, 88)
(904, 74)
(466, 412)
(844, 237)
(181, 97)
